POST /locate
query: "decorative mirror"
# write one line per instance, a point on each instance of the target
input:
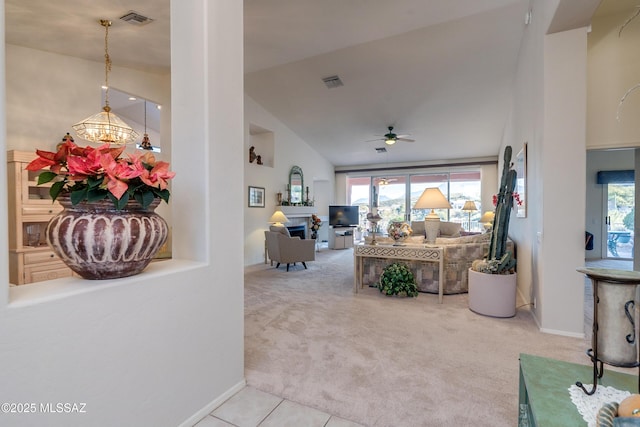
(296, 185)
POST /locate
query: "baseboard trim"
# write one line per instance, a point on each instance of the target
(207, 409)
(563, 333)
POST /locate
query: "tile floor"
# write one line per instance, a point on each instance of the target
(251, 408)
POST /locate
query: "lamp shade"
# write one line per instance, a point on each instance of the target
(469, 205)
(278, 217)
(432, 198)
(487, 217)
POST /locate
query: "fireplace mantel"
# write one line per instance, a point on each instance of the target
(298, 211)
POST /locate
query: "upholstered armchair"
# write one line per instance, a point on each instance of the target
(283, 248)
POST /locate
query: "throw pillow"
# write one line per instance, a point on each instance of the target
(450, 229)
(417, 228)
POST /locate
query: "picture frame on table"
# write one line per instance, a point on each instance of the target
(256, 197)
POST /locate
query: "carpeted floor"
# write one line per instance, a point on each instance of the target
(385, 361)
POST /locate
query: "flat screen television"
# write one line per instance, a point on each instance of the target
(343, 216)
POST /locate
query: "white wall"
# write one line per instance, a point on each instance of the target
(48, 93)
(288, 150)
(549, 110)
(563, 181)
(613, 68)
(163, 347)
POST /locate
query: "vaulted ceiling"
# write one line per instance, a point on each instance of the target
(441, 71)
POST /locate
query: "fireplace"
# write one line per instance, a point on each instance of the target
(297, 230)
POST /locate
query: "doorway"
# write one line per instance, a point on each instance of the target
(619, 202)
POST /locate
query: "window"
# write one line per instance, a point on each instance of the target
(396, 195)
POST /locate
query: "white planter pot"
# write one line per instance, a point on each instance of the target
(492, 294)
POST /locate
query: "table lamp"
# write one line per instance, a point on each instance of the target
(432, 198)
(469, 206)
(487, 220)
(278, 219)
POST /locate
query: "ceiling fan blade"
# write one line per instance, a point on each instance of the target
(406, 139)
(377, 139)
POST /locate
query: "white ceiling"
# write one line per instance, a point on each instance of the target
(439, 70)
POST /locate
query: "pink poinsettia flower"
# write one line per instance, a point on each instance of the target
(74, 167)
(158, 176)
(117, 173)
(83, 166)
(53, 161)
(44, 159)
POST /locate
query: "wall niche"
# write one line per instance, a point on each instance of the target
(262, 141)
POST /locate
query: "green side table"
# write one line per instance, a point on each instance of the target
(544, 390)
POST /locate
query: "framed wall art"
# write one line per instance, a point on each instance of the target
(520, 203)
(256, 197)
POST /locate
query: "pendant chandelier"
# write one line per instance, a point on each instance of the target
(146, 142)
(105, 126)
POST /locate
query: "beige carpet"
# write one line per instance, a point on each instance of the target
(386, 361)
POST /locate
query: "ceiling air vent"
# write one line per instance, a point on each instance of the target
(135, 18)
(381, 149)
(333, 81)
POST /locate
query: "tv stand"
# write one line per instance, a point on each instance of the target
(341, 237)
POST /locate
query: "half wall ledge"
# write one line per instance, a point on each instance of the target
(43, 292)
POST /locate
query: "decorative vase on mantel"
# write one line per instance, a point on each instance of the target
(98, 241)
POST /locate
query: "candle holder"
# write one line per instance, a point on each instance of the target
(373, 218)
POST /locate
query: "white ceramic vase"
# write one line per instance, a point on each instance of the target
(492, 294)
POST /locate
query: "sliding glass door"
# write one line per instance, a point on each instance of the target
(464, 187)
(396, 194)
(392, 199)
(418, 184)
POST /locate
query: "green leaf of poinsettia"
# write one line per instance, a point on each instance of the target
(93, 195)
(46, 176)
(147, 198)
(163, 194)
(94, 182)
(78, 196)
(120, 204)
(55, 189)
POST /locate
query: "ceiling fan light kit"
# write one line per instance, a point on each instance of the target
(391, 138)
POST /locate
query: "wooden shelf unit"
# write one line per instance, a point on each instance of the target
(30, 205)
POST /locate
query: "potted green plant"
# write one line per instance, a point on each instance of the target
(492, 280)
(396, 279)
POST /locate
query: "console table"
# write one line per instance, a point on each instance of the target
(429, 253)
(544, 398)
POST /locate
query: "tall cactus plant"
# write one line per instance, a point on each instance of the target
(500, 260)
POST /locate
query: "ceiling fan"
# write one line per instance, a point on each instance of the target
(391, 138)
(385, 181)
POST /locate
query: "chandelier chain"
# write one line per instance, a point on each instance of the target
(107, 60)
